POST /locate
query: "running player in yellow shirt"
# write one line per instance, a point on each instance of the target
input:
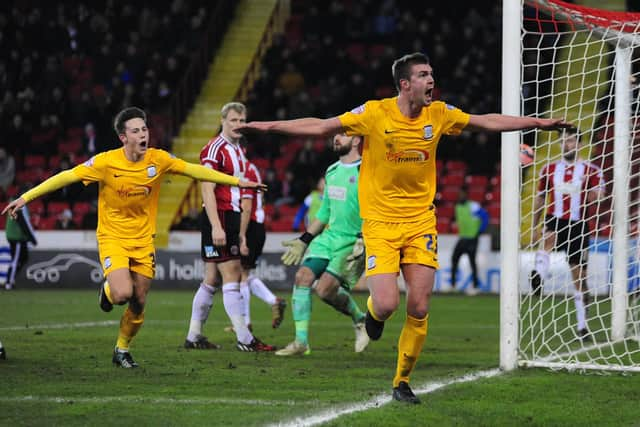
(396, 190)
(129, 181)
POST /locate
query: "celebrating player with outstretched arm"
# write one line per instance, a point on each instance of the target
(129, 180)
(396, 191)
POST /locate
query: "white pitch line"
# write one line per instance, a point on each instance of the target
(137, 399)
(61, 325)
(377, 401)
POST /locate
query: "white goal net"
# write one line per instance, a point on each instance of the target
(579, 255)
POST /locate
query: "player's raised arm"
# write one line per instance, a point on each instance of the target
(205, 174)
(51, 184)
(308, 126)
(503, 123)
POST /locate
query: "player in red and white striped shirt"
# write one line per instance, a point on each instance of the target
(570, 185)
(221, 240)
(252, 239)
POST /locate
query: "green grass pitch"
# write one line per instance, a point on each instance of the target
(59, 371)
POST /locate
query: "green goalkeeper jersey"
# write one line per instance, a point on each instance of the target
(340, 209)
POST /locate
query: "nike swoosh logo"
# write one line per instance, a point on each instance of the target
(115, 175)
(389, 130)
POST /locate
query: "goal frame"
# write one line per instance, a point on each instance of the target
(512, 52)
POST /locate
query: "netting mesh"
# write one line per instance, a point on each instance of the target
(566, 271)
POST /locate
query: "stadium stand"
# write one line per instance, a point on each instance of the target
(333, 56)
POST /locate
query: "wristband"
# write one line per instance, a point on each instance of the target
(306, 237)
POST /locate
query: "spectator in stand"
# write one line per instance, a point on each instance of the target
(65, 221)
(472, 219)
(90, 219)
(7, 169)
(304, 163)
(190, 222)
(19, 233)
(89, 140)
(274, 185)
(310, 206)
(291, 80)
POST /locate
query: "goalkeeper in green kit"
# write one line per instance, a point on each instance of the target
(336, 256)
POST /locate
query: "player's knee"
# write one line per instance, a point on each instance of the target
(304, 277)
(121, 295)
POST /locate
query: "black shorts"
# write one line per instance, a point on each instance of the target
(256, 237)
(231, 224)
(571, 237)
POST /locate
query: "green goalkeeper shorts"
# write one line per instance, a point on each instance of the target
(334, 248)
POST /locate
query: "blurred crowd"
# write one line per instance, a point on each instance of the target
(67, 68)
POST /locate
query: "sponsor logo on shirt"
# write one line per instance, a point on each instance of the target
(89, 162)
(408, 156)
(107, 262)
(210, 252)
(450, 107)
(337, 193)
(138, 191)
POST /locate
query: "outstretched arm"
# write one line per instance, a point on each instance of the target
(503, 123)
(51, 184)
(202, 173)
(308, 126)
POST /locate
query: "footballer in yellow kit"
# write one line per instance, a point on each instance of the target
(127, 205)
(398, 180)
(129, 182)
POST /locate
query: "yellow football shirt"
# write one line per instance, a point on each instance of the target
(128, 192)
(398, 172)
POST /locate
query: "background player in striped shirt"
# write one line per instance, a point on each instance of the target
(252, 239)
(220, 233)
(570, 185)
(129, 180)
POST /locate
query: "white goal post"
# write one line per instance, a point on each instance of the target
(581, 310)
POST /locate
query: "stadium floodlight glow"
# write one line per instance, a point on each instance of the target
(565, 60)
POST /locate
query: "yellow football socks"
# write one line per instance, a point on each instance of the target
(130, 324)
(410, 345)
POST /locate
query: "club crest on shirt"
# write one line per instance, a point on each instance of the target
(358, 110)
(428, 132)
(151, 171)
(89, 162)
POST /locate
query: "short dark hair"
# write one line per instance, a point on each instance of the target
(401, 68)
(125, 115)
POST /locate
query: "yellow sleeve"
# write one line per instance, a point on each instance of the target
(205, 174)
(455, 120)
(54, 183)
(356, 121)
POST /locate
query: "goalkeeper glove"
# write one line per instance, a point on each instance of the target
(355, 261)
(296, 249)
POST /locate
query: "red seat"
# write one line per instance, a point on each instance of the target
(456, 165)
(477, 180)
(446, 210)
(36, 207)
(477, 194)
(47, 223)
(452, 179)
(494, 213)
(81, 207)
(54, 208)
(448, 194)
(443, 225)
(35, 161)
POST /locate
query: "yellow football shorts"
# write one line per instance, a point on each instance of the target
(115, 254)
(389, 244)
